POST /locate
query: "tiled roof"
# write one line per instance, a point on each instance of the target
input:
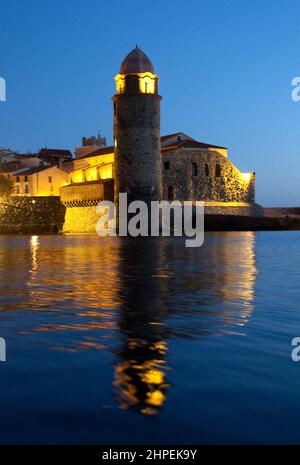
(187, 143)
(101, 151)
(54, 152)
(28, 171)
(192, 144)
(168, 136)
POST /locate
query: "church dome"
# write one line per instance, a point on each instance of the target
(136, 62)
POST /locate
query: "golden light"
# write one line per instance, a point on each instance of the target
(153, 377)
(106, 171)
(247, 177)
(147, 83)
(34, 246)
(120, 83)
(155, 398)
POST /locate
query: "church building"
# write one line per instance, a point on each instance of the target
(147, 166)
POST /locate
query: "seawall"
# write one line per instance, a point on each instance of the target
(42, 215)
(81, 219)
(31, 215)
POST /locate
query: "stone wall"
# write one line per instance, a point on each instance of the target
(81, 219)
(233, 209)
(281, 212)
(137, 163)
(81, 201)
(88, 191)
(31, 215)
(231, 186)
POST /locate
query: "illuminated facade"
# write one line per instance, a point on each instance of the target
(149, 167)
(141, 163)
(136, 104)
(41, 181)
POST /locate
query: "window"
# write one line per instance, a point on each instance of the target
(194, 169)
(166, 165)
(115, 108)
(17, 190)
(170, 193)
(206, 170)
(26, 189)
(218, 171)
(50, 178)
(178, 138)
(18, 179)
(25, 178)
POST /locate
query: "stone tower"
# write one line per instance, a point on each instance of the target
(137, 168)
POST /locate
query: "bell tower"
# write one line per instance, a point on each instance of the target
(137, 165)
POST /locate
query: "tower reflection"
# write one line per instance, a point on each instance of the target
(167, 291)
(130, 297)
(140, 374)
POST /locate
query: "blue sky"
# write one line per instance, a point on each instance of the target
(225, 69)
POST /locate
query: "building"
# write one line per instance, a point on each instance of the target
(193, 170)
(7, 155)
(9, 167)
(136, 105)
(89, 145)
(41, 181)
(38, 174)
(54, 156)
(148, 166)
(141, 163)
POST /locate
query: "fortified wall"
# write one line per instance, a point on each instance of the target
(31, 215)
(80, 201)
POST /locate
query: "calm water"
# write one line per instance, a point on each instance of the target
(145, 341)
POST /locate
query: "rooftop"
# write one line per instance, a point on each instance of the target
(182, 142)
(45, 152)
(27, 171)
(136, 62)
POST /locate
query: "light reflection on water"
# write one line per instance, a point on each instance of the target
(130, 298)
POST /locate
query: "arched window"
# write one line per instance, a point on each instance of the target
(170, 193)
(206, 170)
(194, 169)
(218, 170)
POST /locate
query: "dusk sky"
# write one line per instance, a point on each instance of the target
(225, 69)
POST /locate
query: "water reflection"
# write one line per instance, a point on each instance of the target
(140, 375)
(130, 298)
(34, 247)
(169, 291)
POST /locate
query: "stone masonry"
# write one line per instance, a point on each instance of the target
(204, 175)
